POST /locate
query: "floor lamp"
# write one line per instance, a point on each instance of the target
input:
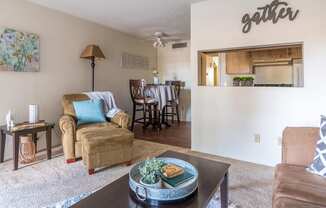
(92, 53)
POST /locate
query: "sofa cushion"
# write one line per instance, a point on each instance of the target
(298, 145)
(292, 203)
(299, 187)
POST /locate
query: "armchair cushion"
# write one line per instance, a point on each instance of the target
(89, 111)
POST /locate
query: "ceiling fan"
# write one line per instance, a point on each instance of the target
(161, 39)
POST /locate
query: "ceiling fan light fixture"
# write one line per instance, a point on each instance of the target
(159, 43)
(162, 44)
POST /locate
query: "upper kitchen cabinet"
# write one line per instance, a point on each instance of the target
(296, 53)
(275, 55)
(238, 62)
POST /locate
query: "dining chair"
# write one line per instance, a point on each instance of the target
(171, 109)
(142, 103)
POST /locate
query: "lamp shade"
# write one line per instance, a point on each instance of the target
(92, 51)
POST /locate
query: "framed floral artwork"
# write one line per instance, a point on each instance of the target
(19, 51)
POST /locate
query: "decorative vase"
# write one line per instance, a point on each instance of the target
(33, 113)
(9, 119)
(154, 185)
(27, 149)
(156, 80)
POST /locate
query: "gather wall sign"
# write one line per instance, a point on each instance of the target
(272, 12)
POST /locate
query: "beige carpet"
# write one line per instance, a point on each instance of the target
(47, 182)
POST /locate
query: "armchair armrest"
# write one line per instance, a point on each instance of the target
(121, 119)
(298, 145)
(67, 126)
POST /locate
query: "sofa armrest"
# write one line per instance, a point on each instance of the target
(121, 119)
(67, 126)
(298, 145)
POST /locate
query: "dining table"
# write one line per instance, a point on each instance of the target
(163, 94)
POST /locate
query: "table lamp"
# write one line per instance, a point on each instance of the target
(92, 53)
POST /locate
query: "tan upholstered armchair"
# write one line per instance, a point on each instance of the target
(100, 144)
(294, 187)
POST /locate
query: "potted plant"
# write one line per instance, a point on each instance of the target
(150, 172)
(249, 81)
(236, 81)
(246, 81)
(243, 81)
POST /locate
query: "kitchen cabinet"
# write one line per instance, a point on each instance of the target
(276, 54)
(296, 53)
(266, 55)
(238, 62)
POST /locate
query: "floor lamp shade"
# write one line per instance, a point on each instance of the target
(92, 53)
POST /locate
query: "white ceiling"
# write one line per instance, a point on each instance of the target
(137, 17)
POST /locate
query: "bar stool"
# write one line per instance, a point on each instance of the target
(171, 109)
(142, 103)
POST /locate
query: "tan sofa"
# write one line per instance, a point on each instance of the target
(294, 187)
(99, 144)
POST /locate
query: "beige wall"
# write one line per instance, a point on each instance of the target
(62, 39)
(225, 120)
(174, 64)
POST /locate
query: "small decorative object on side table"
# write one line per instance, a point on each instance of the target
(27, 149)
(156, 77)
(24, 129)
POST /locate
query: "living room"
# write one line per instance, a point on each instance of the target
(239, 151)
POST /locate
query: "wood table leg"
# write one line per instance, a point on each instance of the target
(15, 149)
(49, 142)
(2, 148)
(224, 192)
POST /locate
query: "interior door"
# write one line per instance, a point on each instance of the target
(202, 69)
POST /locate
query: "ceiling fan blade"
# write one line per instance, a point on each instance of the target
(172, 39)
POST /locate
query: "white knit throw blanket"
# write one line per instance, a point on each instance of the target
(110, 107)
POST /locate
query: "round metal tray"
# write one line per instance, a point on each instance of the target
(163, 195)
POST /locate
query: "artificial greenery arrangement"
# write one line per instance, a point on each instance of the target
(237, 79)
(243, 79)
(150, 171)
(247, 79)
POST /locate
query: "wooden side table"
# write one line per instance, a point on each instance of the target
(16, 139)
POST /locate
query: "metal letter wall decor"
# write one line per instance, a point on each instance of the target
(272, 12)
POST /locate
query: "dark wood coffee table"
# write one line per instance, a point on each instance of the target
(212, 175)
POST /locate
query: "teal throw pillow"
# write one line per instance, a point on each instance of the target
(89, 111)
